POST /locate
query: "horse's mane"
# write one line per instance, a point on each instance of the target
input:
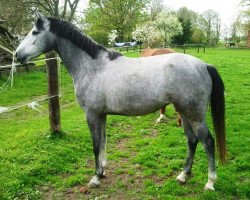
(70, 32)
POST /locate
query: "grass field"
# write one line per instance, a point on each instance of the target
(144, 157)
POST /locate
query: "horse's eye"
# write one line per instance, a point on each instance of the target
(35, 33)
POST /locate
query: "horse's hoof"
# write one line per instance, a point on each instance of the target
(94, 182)
(181, 178)
(158, 121)
(209, 186)
(161, 119)
(181, 181)
(104, 173)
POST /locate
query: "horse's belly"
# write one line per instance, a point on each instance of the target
(135, 110)
(137, 94)
(136, 104)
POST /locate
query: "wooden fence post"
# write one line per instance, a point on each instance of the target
(53, 91)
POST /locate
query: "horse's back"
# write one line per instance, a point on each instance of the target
(173, 71)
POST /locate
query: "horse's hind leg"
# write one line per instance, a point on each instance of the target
(204, 135)
(192, 141)
(97, 126)
(162, 117)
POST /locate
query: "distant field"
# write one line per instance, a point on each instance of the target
(144, 157)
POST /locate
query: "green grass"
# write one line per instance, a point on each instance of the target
(144, 157)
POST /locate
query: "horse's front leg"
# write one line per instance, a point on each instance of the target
(97, 125)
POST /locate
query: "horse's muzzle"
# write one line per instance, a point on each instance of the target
(19, 58)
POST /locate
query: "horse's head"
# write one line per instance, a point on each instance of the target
(39, 40)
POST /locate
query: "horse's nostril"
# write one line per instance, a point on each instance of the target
(16, 57)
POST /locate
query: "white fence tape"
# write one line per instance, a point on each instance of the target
(34, 104)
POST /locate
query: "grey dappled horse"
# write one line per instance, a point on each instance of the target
(106, 82)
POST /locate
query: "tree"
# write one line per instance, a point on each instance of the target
(18, 14)
(17, 17)
(244, 16)
(160, 31)
(188, 19)
(155, 8)
(234, 35)
(102, 16)
(245, 11)
(186, 34)
(112, 37)
(168, 25)
(238, 30)
(198, 36)
(148, 34)
(210, 22)
(187, 15)
(218, 29)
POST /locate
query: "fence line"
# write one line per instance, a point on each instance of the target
(13, 66)
(5, 85)
(33, 104)
(10, 78)
(34, 61)
(9, 81)
(13, 69)
(63, 91)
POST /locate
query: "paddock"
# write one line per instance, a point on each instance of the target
(37, 165)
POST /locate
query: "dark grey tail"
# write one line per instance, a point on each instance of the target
(218, 111)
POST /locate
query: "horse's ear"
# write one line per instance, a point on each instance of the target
(40, 16)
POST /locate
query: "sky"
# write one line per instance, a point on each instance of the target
(227, 9)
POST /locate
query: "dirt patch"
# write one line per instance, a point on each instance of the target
(153, 133)
(123, 180)
(121, 144)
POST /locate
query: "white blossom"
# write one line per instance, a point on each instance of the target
(112, 36)
(162, 29)
(148, 34)
(168, 24)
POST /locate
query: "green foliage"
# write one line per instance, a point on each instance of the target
(19, 15)
(188, 19)
(198, 36)
(168, 25)
(238, 30)
(103, 16)
(158, 32)
(210, 22)
(144, 158)
(148, 34)
(186, 34)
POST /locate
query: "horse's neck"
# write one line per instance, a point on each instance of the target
(78, 63)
